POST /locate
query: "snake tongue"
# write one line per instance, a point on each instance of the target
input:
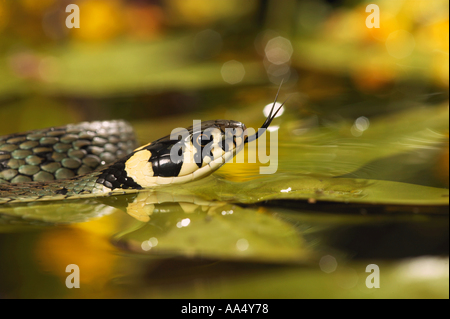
(266, 123)
(268, 120)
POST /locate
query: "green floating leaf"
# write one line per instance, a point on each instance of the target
(308, 187)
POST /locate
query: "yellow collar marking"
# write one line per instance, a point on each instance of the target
(140, 169)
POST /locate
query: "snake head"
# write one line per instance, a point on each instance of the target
(185, 155)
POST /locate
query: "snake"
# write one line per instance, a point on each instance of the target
(93, 159)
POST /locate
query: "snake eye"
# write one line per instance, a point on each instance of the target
(202, 140)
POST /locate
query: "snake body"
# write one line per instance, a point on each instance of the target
(63, 152)
(39, 163)
(148, 166)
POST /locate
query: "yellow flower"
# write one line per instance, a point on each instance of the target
(86, 244)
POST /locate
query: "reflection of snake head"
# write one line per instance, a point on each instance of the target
(147, 203)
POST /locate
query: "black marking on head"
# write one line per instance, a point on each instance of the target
(226, 145)
(196, 142)
(202, 142)
(162, 164)
(115, 176)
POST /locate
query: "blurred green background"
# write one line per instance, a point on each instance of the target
(148, 59)
(160, 64)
